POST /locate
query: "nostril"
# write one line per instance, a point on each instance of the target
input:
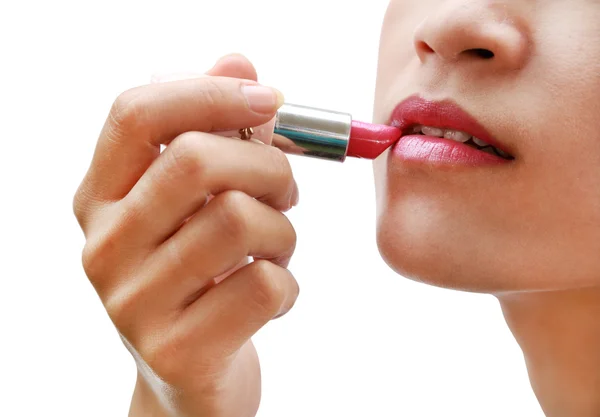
(480, 53)
(424, 47)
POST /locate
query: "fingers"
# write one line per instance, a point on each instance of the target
(231, 312)
(231, 227)
(238, 66)
(144, 118)
(170, 265)
(194, 166)
(234, 66)
(206, 336)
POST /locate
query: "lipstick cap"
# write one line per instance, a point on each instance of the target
(308, 131)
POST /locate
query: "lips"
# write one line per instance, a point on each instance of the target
(443, 133)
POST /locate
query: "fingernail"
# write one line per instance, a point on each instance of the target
(262, 99)
(295, 195)
(283, 312)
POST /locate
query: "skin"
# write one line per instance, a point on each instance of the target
(170, 262)
(529, 231)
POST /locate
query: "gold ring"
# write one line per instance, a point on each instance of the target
(246, 133)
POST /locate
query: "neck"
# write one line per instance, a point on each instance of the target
(559, 333)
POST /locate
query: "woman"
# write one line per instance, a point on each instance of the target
(169, 261)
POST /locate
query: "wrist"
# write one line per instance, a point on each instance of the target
(145, 402)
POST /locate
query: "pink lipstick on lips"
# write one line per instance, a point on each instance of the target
(444, 134)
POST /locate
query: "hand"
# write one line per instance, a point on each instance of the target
(169, 263)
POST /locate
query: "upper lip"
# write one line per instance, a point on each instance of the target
(441, 114)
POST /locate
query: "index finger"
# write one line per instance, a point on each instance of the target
(143, 118)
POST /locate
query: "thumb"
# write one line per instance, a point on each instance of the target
(233, 66)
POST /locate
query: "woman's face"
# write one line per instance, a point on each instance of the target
(525, 76)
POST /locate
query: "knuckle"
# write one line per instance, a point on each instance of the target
(213, 95)
(126, 111)
(102, 255)
(280, 164)
(212, 98)
(189, 154)
(267, 290)
(78, 205)
(121, 307)
(232, 209)
(280, 169)
(89, 260)
(96, 256)
(84, 205)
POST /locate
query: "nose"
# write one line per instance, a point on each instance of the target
(473, 31)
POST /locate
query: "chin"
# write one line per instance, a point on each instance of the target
(418, 247)
(444, 230)
(420, 256)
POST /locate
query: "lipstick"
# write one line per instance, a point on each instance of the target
(329, 135)
(475, 147)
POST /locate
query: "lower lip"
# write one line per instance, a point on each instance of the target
(439, 151)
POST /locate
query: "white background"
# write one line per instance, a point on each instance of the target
(361, 340)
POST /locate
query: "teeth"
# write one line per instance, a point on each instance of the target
(456, 135)
(502, 153)
(479, 142)
(489, 150)
(432, 131)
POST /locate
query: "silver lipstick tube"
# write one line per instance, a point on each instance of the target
(301, 130)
